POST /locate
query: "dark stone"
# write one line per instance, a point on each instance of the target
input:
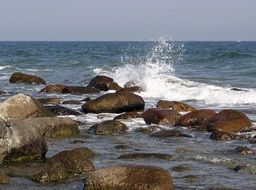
(160, 116)
(19, 77)
(109, 127)
(181, 168)
(131, 89)
(147, 130)
(71, 102)
(122, 146)
(221, 135)
(114, 103)
(100, 82)
(129, 177)
(49, 100)
(61, 110)
(174, 105)
(54, 88)
(170, 133)
(113, 86)
(244, 150)
(4, 179)
(128, 115)
(146, 156)
(79, 90)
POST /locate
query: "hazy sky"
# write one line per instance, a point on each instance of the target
(127, 19)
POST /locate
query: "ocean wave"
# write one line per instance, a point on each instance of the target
(4, 67)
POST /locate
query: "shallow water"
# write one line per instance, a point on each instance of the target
(199, 73)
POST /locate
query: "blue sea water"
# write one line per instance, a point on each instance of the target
(214, 75)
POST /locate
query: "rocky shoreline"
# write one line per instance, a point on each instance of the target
(27, 124)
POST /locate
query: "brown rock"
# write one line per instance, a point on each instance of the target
(71, 102)
(79, 90)
(174, 105)
(61, 110)
(130, 89)
(130, 177)
(113, 86)
(142, 155)
(195, 118)
(160, 116)
(114, 103)
(230, 121)
(128, 115)
(54, 88)
(108, 127)
(221, 135)
(49, 100)
(170, 133)
(19, 77)
(4, 179)
(100, 82)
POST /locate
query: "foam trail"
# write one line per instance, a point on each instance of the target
(4, 67)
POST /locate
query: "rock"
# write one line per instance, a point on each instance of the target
(160, 116)
(53, 88)
(147, 130)
(66, 164)
(181, 168)
(131, 89)
(122, 146)
(128, 115)
(20, 143)
(243, 150)
(79, 90)
(108, 127)
(76, 141)
(61, 110)
(51, 127)
(22, 106)
(129, 177)
(190, 178)
(49, 100)
(19, 77)
(146, 156)
(2, 92)
(114, 103)
(174, 105)
(86, 99)
(100, 82)
(4, 179)
(71, 102)
(221, 135)
(230, 121)
(113, 86)
(195, 118)
(170, 133)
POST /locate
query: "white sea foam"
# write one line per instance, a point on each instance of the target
(4, 67)
(157, 77)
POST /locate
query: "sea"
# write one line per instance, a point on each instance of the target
(213, 75)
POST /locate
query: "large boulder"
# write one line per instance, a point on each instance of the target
(19, 77)
(195, 118)
(174, 105)
(51, 127)
(129, 177)
(230, 121)
(114, 103)
(22, 106)
(64, 165)
(20, 143)
(108, 127)
(160, 116)
(100, 82)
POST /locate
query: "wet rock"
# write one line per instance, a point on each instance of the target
(122, 146)
(78, 141)
(170, 133)
(182, 150)
(113, 86)
(22, 106)
(131, 89)
(51, 127)
(4, 179)
(66, 164)
(130, 177)
(160, 116)
(19, 77)
(230, 121)
(2, 92)
(20, 143)
(221, 188)
(109, 127)
(221, 135)
(128, 115)
(181, 168)
(79, 90)
(53, 88)
(174, 105)
(146, 156)
(243, 150)
(147, 130)
(49, 100)
(114, 103)
(71, 102)
(86, 99)
(190, 178)
(61, 110)
(195, 118)
(100, 82)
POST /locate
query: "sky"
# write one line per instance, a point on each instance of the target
(125, 20)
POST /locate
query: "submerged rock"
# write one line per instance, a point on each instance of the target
(128, 115)
(49, 100)
(109, 127)
(71, 102)
(181, 168)
(4, 179)
(174, 105)
(160, 116)
(146, 156)
(147, 130)
(61, 110)
(2, 92)
(170, 133)
(222, 135)
(79, 90)
(114, 103)
(53, 88)
(130, 177)
(243, 150)
(195, 118)
(100, 82)
(230, 121)
(131, 89)
(22, 106)
(19, 77)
